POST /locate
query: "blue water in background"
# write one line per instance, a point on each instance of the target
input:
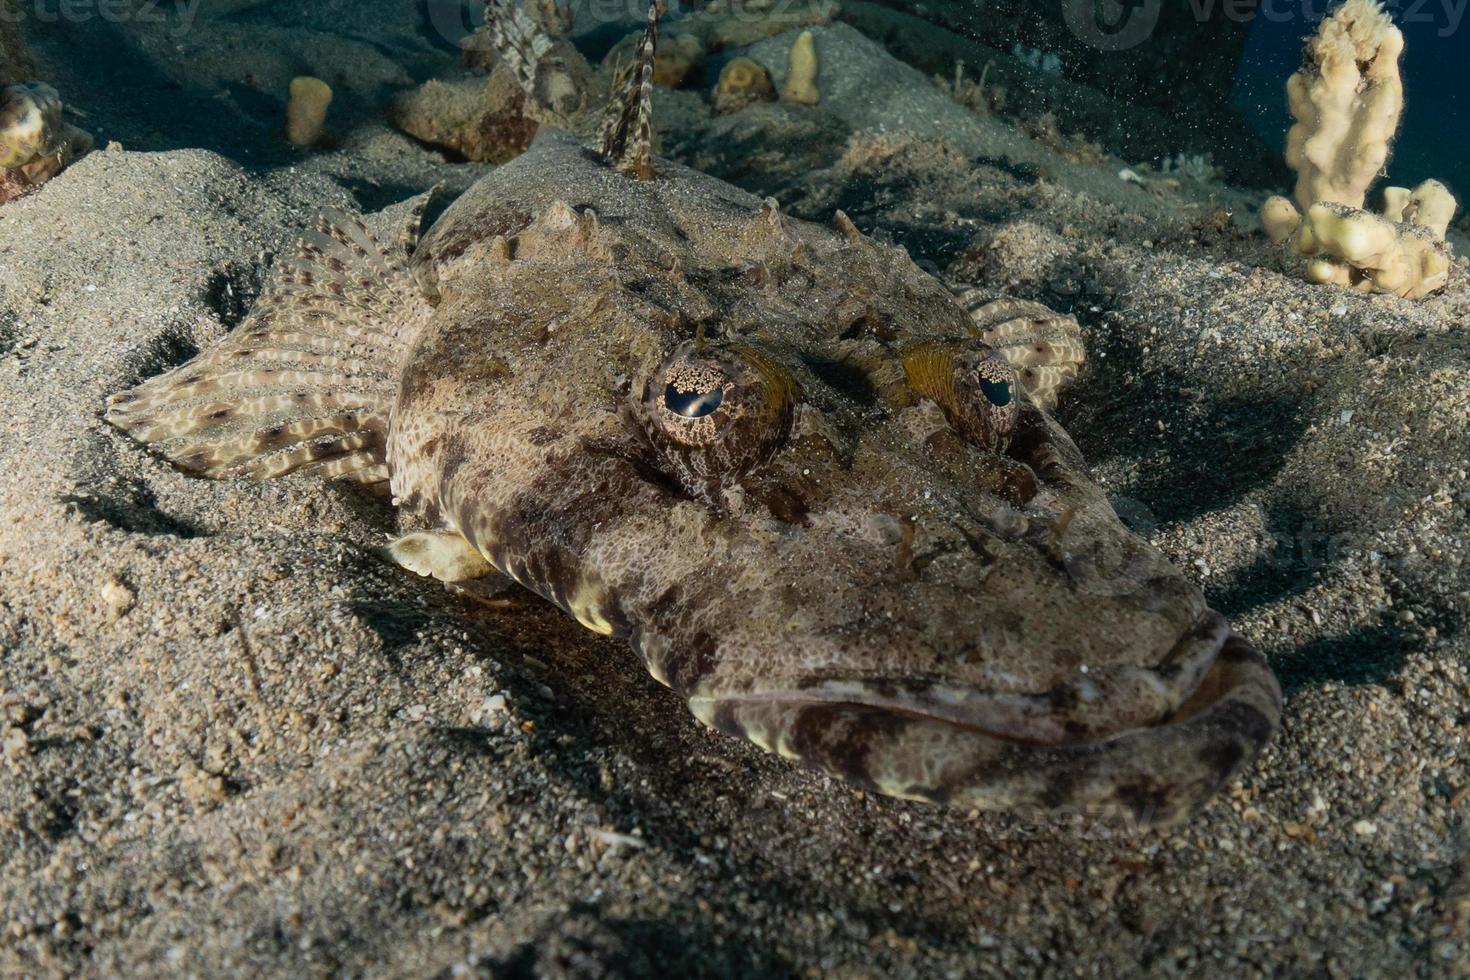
(1434, 137)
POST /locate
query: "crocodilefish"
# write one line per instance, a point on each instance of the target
(822, 502)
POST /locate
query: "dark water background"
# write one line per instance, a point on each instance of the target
(1434, 137)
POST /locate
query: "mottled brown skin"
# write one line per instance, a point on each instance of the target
(474, 118)
(864, 586)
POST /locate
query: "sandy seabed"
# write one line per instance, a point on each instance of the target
(237, 743)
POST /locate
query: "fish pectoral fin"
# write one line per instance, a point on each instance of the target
(494, 591)
(307, 382)
(1045, 347)
(441, 555)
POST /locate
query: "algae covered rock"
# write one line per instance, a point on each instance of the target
(36, 142)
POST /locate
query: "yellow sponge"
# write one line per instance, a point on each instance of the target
(307, 102)
(1280, 218)
(1432, 206)
(1346, 100)
(801, 75)
(1352, 247)
(742, 83)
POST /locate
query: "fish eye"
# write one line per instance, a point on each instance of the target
(972, 383)
(998, 393)
(692, 397)
(713, 412)
(694, 394)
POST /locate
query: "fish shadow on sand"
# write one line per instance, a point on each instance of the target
(133, 508)
(867, 198)
(147, 108)
(1212, 450)
(1287, 569)
(1212, 454)
(1370, 655)
(398, 625)
(573, 942)
(373, 196)
(1284, 568)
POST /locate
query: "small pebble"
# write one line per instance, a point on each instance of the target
(118, 598)
(14, 744)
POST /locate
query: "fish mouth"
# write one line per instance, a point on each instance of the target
(1090, 705)
(1153, 773)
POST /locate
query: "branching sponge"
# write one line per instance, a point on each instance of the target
(1347, 100)
(1351, 247)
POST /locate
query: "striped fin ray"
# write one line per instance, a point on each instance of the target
(519, 40)
(551, 73)
(627, 132)
(1044, 346)
(409, 233)
(307, 382)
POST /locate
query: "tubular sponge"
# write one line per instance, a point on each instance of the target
(801, 76)
(306, 110)
(1346, 99)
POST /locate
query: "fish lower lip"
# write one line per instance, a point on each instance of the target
(1155, 773)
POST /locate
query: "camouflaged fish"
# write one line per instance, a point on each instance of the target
(781, 460)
